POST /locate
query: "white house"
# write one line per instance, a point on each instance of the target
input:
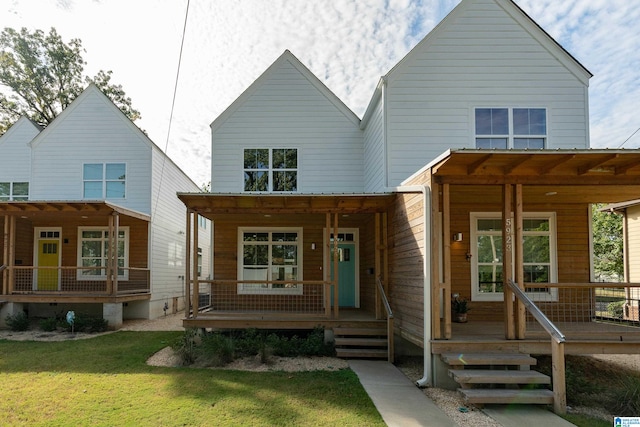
(70, 194)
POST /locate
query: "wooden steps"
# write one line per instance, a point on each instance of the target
(498, 378)
(361, 343)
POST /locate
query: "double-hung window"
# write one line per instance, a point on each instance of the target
(14, 191)
(93, 253)
(271, 169)
(104, 181)
(270, 255)
(539, 255)
(502, 128)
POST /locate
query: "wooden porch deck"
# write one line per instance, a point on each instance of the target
(581, 338)
(276, 320)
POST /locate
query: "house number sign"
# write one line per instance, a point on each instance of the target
(507, 234)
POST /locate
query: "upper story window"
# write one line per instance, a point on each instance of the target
(14, 191)
(104, 180)
(271, 169)
(503, 128)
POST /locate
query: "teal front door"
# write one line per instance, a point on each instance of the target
(346, 275)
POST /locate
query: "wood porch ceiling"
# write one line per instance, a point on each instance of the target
(212, 204)
(582, 175)
(66, 208)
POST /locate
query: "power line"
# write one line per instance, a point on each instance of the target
(173, 104)
(631, 136)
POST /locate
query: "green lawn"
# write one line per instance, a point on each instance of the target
(104, 381)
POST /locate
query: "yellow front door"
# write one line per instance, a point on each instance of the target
(48, 256)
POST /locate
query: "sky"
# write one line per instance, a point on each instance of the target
(347, 44)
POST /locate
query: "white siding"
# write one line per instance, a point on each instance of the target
(168, 233)
(374, 170)
(287, 110)
(91, 130)
(480, 57)
(15, 152)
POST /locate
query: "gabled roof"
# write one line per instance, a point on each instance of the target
(273, 69)
(513, 10)
(22, 121)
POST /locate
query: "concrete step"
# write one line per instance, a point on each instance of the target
(480, 396)
(491, 376)
(511, 359)
(360, 342)
(361, 353)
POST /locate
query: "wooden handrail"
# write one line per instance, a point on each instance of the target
(557, 348)
(387, 308)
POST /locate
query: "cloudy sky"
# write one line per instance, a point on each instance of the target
(348, 44)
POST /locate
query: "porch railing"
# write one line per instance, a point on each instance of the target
(303, 298)
(77, 280)
(389, 313)
(557, 348)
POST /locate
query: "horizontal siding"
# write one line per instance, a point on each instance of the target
(15, 153)
(374, 170)
(287, 111)
(633, 244)
(481, 58)
(93, 130)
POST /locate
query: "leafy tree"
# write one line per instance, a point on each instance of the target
(40, 76)
(607, 245)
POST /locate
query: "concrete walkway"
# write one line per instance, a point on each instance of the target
(402, 404)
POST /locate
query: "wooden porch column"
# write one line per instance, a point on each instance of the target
(5, 255)
(336, 260)
(114, 253)
(109, 265)
(187, 267)
(436, 328)
(446, 268)
(12, 254)
(378, 264)
(507, 268)
(194, 271)
(519, 258)
(326, 255)
(381, 260)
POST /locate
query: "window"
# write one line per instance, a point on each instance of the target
(93, 251)
(270, 255)
(202, 222)
(104, 181)
(199, 262)
(539, 259)
(502, 128)
(14, 191)
(270, 169)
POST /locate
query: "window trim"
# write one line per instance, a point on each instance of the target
(104, 180)
(511, 136)
(270, 170)
(298, 290)
(12, 196)
(102, 276)
(476, 295)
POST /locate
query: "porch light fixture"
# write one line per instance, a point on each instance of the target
(313, 246)
(457, 237)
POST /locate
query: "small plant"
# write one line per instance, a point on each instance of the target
(49, 324)
(186, 345)
(460, 305)
(18, 322)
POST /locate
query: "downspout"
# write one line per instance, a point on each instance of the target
(426, 268)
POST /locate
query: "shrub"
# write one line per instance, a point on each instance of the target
(616, 309)
(626, 397)
(18, 322)
(49, 324)
(185, 346)
(216, 349)
(86, 323)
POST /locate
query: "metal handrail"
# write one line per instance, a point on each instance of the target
(385, 301)
(3, 267)
(537, 313)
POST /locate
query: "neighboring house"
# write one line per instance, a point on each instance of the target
(89, 220)
(630, 212)
(469, 171)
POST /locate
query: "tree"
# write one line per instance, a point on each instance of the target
(40, 76)
(607, 245)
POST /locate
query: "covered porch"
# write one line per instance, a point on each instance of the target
(69, 253)
(289, 261)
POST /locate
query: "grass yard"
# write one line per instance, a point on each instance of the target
(104, 381)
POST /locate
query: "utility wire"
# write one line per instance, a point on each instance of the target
(173, 104)
(631, 136)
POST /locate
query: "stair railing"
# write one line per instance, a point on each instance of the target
(557, 348)
(387, 308)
